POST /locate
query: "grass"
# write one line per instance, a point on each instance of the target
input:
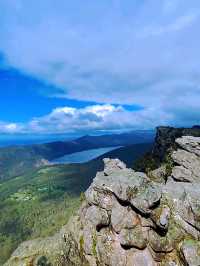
(39, 203)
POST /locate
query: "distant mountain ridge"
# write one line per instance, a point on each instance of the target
(16, 160)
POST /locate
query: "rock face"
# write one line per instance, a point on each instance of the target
(165, 139)
(130, 219)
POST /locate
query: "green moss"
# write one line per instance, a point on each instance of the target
(94, 244)
(190, 241)
(169, 164)
(82, 197)
(81, 243)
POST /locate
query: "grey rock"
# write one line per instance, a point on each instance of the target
(191, 252)
(184, 200)
(162, 244)
(100, 197)
(117, 216)
(141, 258)
(97, 216)
(189, 161)
(165, 140)
(123, 217)
(133, 238)
(190, 143)
(161, 217)
(131, 220)
(180, 173)
(109, 250)
(159, 174)
(147, 198)
(126, 185)
(164, 217)
(111, 165)
(88, 235)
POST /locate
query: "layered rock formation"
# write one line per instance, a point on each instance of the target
(165, 140)
(130, 219)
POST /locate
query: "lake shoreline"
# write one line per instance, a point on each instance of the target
(83, 156)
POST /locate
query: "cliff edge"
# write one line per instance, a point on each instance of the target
(130, 219)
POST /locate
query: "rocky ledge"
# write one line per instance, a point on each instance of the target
(131, 219)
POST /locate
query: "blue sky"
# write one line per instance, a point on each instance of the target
(24, 97)
(76, 66)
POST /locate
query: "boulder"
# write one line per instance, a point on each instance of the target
(190, 144)
(190, 166)
(133, 238)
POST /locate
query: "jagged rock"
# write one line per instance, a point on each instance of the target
(172, 259)
(128, 219)
(140, 258)
(165, 140)
(185, 202)
(96, 216)
(127, 185)
(164, 217)
(158, 243)
(88, 238)
(131, 219)
(99, 197)
(147, 198)
(180, 173)
(191, 252)
(123, 217)
(108, 249)
(118, 215)
(188, 161)
(112, 166)
(189, 143)
(187, 158)
(159, 174)
(161, 217)
(133, 238)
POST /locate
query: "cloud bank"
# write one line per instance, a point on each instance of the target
(94, 118)
(91, 118)
(111, 52)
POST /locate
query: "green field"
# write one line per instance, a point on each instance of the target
(39, 203)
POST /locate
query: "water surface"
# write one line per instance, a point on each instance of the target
(83, 156)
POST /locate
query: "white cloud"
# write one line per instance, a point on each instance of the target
(96, 118)
(181, 23)
(67, 120)
(117, 52)
(90, 118)
(10, 128)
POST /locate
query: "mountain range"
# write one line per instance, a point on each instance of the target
(16, 160)
(38, 197)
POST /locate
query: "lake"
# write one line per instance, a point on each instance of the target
(83, 156)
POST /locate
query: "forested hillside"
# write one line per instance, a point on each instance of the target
(17, 160)
(39, 202)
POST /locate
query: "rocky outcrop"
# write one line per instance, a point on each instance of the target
(187, 160)
(131, 219)
(165, 140)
